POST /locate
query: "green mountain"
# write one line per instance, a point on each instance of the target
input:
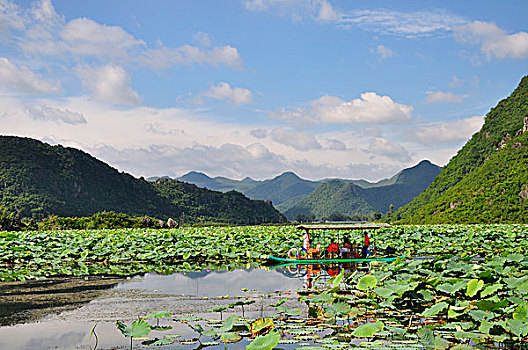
(38, 180)
(283, 191)
(487, 181)
(346, 198)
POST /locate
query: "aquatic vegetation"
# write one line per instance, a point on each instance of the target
(34, 254)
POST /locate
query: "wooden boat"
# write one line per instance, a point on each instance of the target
(322, 255)
(330, 261)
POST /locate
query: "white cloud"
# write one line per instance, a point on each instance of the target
(408, 24)
(327, 12)
(223, 91)
(229, 160)
(109, 83)
(298, 140)
(383, 52)
(44, 32)
(370, 108)
(388, 149)
(259, 133)
(58, 115)
(10, 18)
(493, 41)
(447, 133)
(87, 37)
(165, 57)
(440, 96)
(22, 79)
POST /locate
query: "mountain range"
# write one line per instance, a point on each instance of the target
(487, 180)
(295, 196)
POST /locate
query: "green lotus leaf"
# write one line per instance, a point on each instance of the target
(473, 286)
(159, 314)
(158, 342)
(368, 330)
(490, 289)
(231, 337)
(228, 324)
(435, 309)
(265, 342)
(367, 282)
(521, 313)
(139, 328)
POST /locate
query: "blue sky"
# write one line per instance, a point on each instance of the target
(350, 89)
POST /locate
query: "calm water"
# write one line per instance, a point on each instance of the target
(68, 326)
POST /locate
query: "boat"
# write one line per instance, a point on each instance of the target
(327, 251)
(330, 261)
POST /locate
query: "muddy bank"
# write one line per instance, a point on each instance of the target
(28, 301)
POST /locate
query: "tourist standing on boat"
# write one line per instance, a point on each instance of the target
(366, 245)
(346, 248)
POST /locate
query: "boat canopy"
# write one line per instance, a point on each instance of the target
(342, 227)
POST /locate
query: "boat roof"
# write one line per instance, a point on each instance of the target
(343, 226)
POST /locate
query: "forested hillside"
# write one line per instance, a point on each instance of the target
(38, 180)
(487, 181)
(345, 198)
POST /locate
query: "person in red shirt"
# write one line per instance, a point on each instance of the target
(366, 245)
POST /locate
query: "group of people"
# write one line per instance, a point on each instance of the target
(350, 251)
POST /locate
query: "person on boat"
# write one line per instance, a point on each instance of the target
(306, 240)
(346, 248)
(365, 245)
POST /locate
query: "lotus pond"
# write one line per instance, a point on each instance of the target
(449, 300)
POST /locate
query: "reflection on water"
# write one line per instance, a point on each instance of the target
(213, 283)
(68, 326)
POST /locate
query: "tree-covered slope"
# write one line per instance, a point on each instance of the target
(486, 163)
(347, 199)
(332, 197)
(37, 179)
(206, 205)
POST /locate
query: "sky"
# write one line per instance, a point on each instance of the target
(324, 88)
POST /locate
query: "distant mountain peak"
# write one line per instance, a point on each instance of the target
(288, 174)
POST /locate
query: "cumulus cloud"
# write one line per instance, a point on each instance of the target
(447, 133)
(109, 83)
(87, 37)
(259, 133)
(298, 140)
(440, 96)
(493, 41)
(44, 32)
(23, 79)
(58, 115)
(408, 24)
(388, 149)
(223, 91)
(165, 57)
(370, 108)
